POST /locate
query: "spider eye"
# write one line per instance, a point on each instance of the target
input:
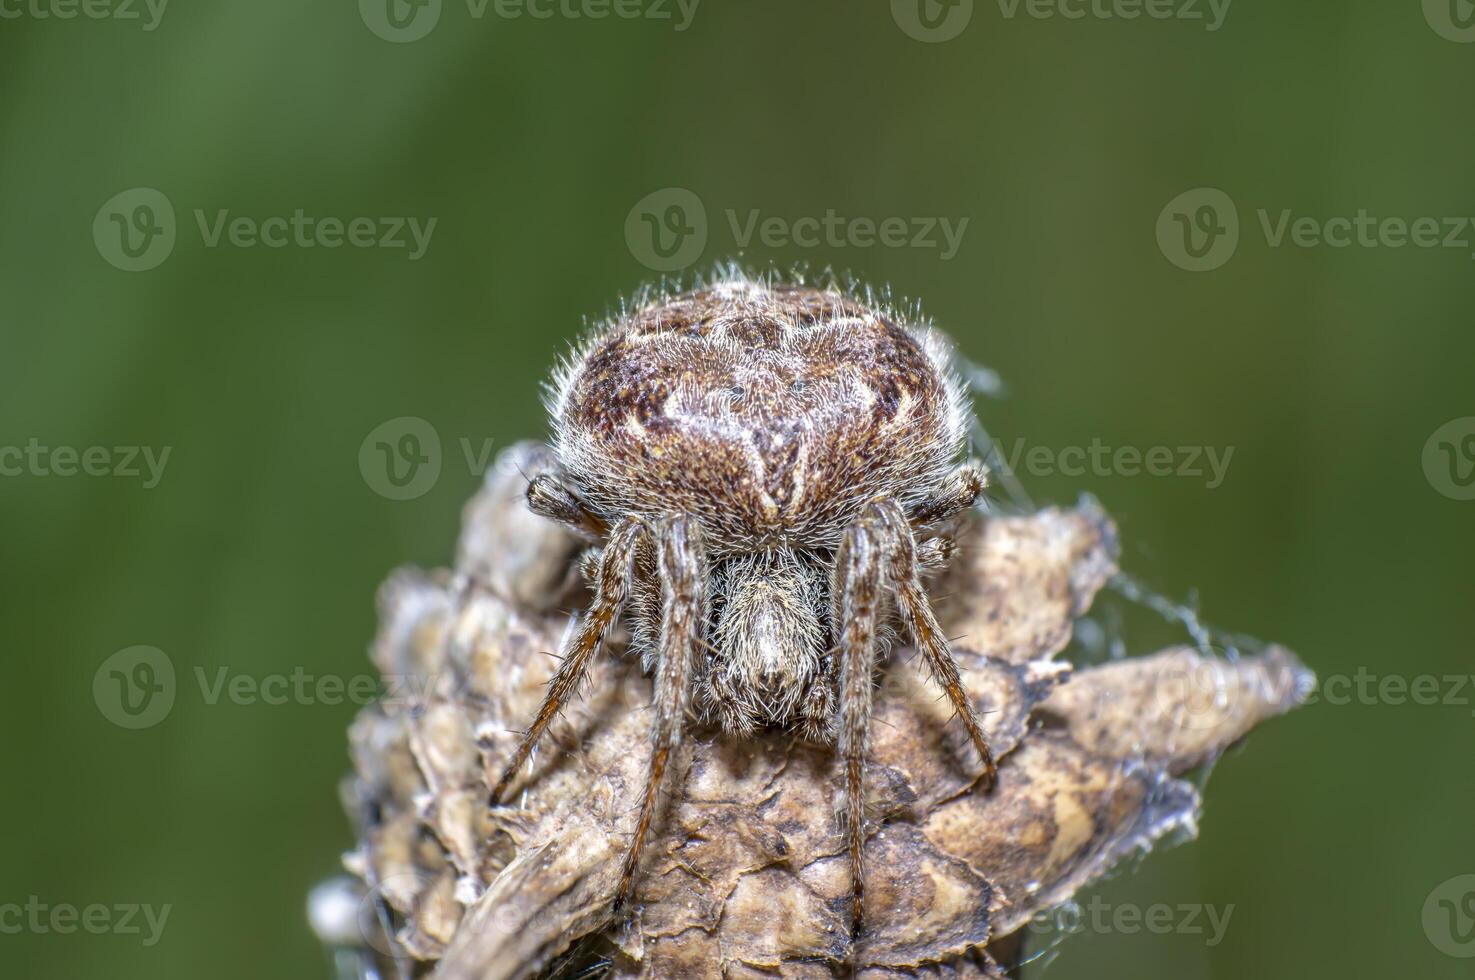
(737, 391)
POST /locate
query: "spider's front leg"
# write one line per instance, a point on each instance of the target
(860, 564)
(612, 586)
(936, 532)
(682, 571)
(916, 611)
(879, 552)
(551, 499)
(962, 491)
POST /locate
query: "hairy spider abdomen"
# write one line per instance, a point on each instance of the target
(770, 414)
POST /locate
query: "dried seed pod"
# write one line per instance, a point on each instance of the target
(746, 873)
(505, 547)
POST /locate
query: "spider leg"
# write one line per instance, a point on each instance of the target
(962, 491)
(916, 611)
(611, 588)
(551, 499)
(936, 553)
(682, 570)
(859, 572)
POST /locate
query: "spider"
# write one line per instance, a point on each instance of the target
(765, 474)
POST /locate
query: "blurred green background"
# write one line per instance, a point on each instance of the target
(531, 142)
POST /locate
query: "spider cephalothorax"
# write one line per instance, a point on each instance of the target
(765, 473)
